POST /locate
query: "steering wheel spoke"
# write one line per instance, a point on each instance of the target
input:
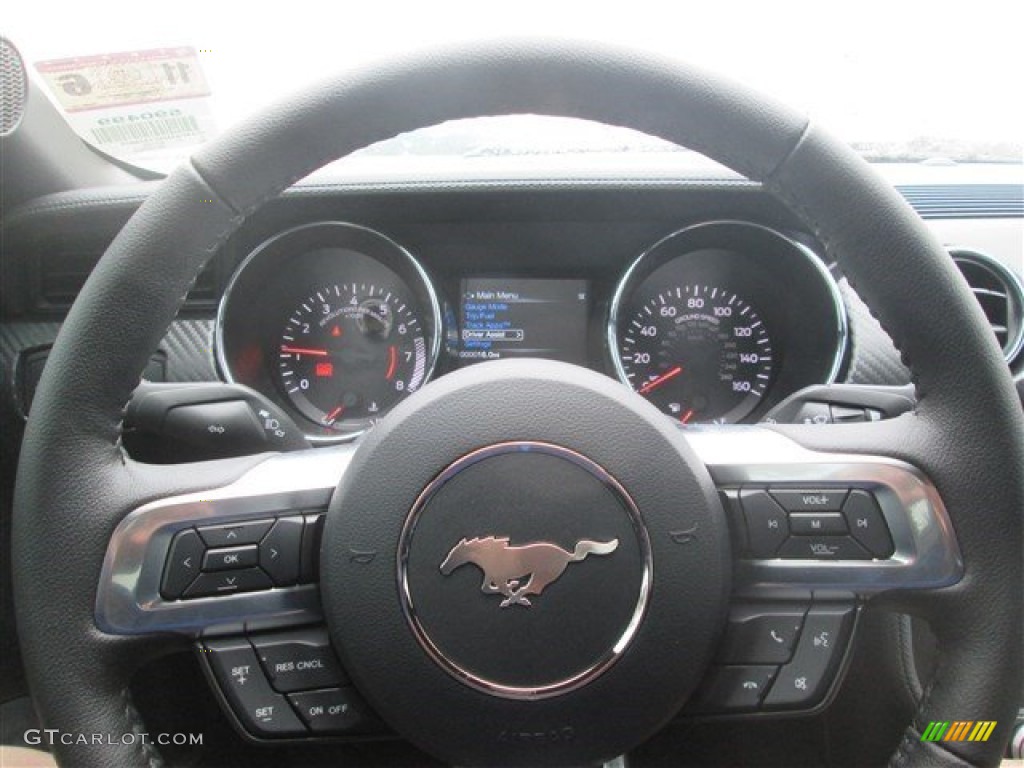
(812, 519)
(241, 554)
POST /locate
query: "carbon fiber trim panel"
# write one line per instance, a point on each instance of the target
(188, 346)
(873, 357)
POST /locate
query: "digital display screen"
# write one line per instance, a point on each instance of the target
(522, 317)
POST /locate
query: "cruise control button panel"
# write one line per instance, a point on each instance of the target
(287, 684)
(260, 710)
(809, 523)
(243, 556)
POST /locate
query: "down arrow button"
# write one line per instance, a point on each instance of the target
(279, 551)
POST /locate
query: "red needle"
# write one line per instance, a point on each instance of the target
(655, 383)
(305, 351)
(392, 361)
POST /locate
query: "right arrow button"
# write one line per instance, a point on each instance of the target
(867, 524)
(279, 551)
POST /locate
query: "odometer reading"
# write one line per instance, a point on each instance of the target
(350, 352)
(700, 353)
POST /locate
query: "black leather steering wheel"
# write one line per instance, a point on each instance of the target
(76, 484)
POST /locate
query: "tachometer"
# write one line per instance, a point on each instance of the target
(701, 353)
(335, 322)
(349, 352)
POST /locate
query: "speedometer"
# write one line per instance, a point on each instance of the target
(699, 352)
(721, 321)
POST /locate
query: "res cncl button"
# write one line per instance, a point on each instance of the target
(299, 660)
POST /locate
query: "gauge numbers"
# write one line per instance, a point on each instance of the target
(698, 352)
(349, 352)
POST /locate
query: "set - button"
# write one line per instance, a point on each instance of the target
(827, 523)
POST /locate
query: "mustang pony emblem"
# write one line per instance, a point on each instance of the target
(505, 566)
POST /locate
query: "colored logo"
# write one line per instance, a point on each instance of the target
(958, 730)
(506, 567)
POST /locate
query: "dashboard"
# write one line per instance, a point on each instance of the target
(343, 296)
(713, 323)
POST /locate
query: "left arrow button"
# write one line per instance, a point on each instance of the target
(183, 561)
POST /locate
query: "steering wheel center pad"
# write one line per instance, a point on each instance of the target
(592, 487)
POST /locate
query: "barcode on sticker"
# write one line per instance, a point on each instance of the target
(147, 130)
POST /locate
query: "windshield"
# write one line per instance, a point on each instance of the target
(901, 81)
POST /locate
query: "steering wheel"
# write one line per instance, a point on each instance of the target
(642, 608)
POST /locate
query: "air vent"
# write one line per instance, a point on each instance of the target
(965, 201)
(1000, 294)
(62, 274)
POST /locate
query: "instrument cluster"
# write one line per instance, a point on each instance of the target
(715, 323)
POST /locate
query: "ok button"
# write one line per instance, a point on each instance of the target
(230, 557)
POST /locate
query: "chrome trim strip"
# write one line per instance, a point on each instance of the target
(478, 682)
(129, 602)
(926, 552)
(433, 352)
(842, 322)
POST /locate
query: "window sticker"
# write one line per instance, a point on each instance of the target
(136, 102)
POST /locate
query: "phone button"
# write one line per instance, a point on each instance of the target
(757, 635)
